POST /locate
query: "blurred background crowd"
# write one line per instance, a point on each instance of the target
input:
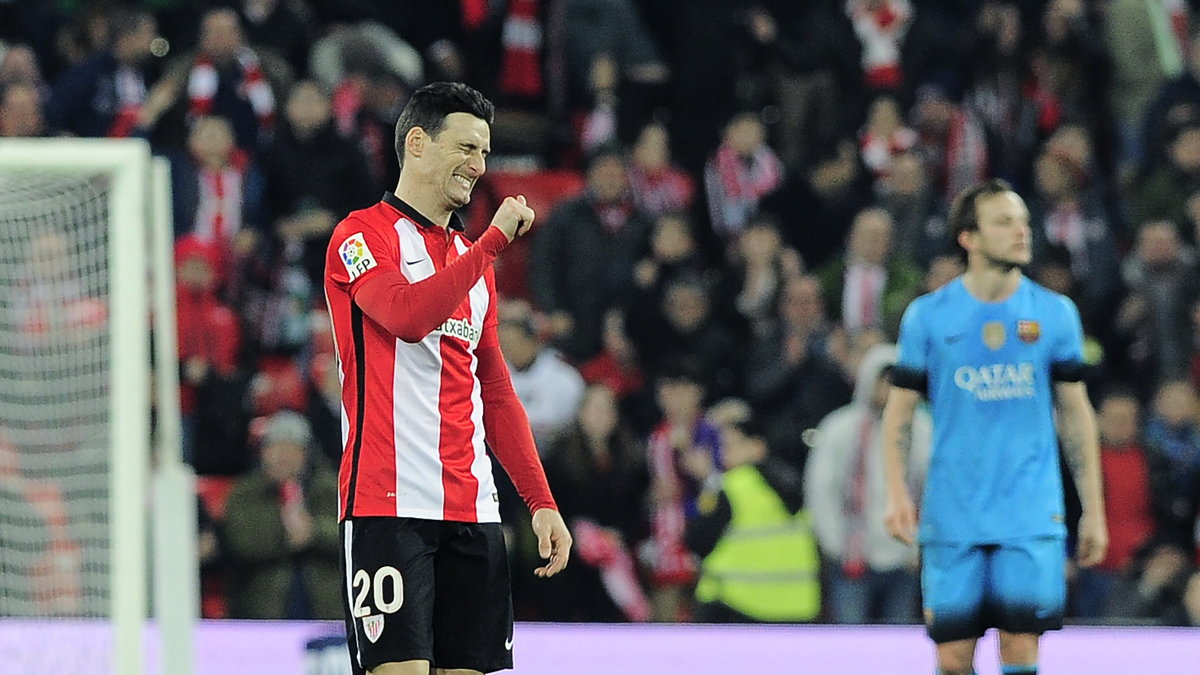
(736, 200)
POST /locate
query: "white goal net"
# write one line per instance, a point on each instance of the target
(55, 542)
(75, 404)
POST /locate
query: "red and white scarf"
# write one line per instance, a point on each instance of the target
(219, 208)
(748, 178)
(521, 39)
(881, 31)
(131, 94)
(203, 81)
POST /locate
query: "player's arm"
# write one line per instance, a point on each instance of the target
(910, 381)
(410, 311)
(901, 513)
(1081, 448)
(506, 427)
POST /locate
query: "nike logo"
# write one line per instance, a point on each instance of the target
(508, 644)
(414, 262)
(951, 339)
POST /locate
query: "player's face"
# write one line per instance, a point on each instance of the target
(1003, 238)
(458, 156)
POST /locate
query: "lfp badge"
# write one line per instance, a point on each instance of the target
(356, 256)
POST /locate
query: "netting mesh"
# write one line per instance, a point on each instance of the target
(54, 375)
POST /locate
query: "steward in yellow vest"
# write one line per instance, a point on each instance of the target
(760, 560)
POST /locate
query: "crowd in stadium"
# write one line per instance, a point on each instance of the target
(736, 201)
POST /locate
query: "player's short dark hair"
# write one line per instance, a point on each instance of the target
(964, 211)
(429, 105)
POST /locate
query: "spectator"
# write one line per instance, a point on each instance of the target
(1175, 101)
(612, 27)
(815, 207)
(1069, 63)
(760, 561)
(281, 532)
(600, 470)
(217, 193)
(1145, 52)
(213, 386)
(812, 59)
(227, 77)
(872, 577)
(103, 95)
(583, 257)
(618, 367)
(275, 25)
(897, 45)
(19, 65)
(763, 266)
(21, 112)
(942, 270)
(787, 373)
(1151, 593)
(1127, 502)
(1173, 447)
(998, 89)
(673, 254)
(371, 73)
(870, 286)
(312, 175)
(739, 175)
(917, 212)
(598, 122)
(324, 410)
(884, 136)
(1168, 184)
(548, 387)
(1064, 214)
(953, 141)
(684, 452)
(659, 187)
(1152, 319)
(683, 327)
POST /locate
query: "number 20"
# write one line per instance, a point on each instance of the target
(384, 606)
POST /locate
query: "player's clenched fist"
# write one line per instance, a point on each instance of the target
(514, 217)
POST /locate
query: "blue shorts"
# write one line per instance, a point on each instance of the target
(1017, 586)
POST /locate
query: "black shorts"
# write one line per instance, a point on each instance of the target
(426, 590)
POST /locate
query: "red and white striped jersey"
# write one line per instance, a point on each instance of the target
(412, 412)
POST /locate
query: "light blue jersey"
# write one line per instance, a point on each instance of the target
(989, 367)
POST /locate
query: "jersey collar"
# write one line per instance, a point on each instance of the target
(407, 210)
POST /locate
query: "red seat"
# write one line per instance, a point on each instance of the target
(543, 191)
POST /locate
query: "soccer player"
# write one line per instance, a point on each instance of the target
(424, 385)
(993, 352)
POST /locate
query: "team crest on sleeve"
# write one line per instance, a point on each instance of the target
(373, 627)
(1029, 331)
(994, 334)
(356, 256)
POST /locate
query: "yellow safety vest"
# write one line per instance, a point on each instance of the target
(766, 564)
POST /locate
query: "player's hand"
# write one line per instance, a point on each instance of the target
(900, 517)
(554, 541)
(1093, 540)
(514, 217)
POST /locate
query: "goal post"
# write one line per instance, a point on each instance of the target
(85, 224)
